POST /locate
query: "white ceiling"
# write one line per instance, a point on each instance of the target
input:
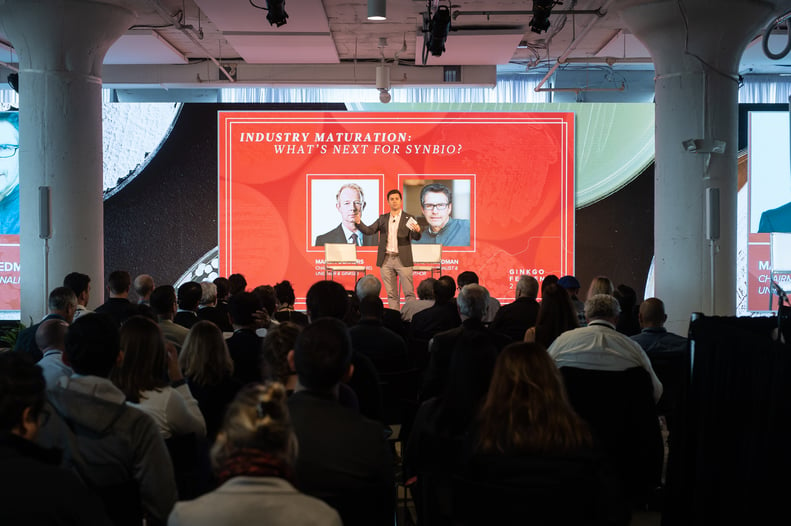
(320, 33)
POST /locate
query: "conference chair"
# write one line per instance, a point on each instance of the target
(427, 258)
(341, 257)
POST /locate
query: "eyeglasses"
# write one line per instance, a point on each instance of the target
(8, 150)
(438, 206)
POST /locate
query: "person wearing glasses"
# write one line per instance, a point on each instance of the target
(436, 200)
(350, 202)
(9, 173)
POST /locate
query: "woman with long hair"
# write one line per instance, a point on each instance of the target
(279, 341)
(556, 315)
(253, 457)
(208, 367)
(150, 377)
(600, 285)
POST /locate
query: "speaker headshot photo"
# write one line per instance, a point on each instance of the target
(776, 220)
(350, 203)
(9, 172)
(438, 221)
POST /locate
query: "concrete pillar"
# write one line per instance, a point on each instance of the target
(61, 46)
(696, 46)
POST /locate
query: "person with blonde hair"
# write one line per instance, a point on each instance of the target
(208, 368)
(254, 457)
(600, 285)
(146, 363)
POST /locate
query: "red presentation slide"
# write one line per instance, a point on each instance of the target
(496, 190)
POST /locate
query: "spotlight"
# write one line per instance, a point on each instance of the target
(13, 81)
(277, 12)
(377, 9)
(541, 11)
(383, 83)
(439, 26)
(384, 96)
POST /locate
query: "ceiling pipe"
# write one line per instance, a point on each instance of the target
(603, 11)
(553, 12)
(580, 90)
(161, 11)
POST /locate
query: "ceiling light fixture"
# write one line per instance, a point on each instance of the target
(435, 30)
(377, 9)
(541, 11)
(277, 11)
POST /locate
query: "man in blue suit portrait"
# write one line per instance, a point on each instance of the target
(350, 202)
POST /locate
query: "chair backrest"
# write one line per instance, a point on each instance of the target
(427, 254)
(340, 253)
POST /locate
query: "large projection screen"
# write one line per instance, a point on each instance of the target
(511, 176)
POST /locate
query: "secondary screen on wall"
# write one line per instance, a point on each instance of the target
(9, 216)
(504, 183)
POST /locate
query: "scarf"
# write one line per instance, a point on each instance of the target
(251, 462)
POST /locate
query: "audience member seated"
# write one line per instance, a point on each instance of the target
(62, 305)
(145, 364)
(473, 302)
(81, 285)
(546, 281)
(144, 286)
(442, 316)
(600, 285)
(386, 349)
(115, 448)
(369, 285)
(277, 344)
(222, 296)
(267, 298)
(328, 299)
(245, 344)
(628, 322)
(343, 457)
(236, 284)
(208, 368)
(436, 447)
(163, 304)
(572, 286)
(514, 319)
(285, 305)
(425, 299)
(533, 458)
(118, 306)
(207, 308)
(469, 277)
(653, 337)
(555, 317)
(599, 346)
(189, 295)
(254, 457)
(50, 338)
(34, 489)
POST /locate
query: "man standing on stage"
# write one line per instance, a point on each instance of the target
(396, 230)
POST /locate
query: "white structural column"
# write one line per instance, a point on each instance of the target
(61, 45)
(696, 46)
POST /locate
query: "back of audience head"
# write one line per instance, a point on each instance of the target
(322, 354)
(222, 288)
(242, 308)
(327, 299)
(652, 313)
(527, 287)
(204, 356)
(555, 316)
(118, 282)
(279, 341)
(368, 285)
(51, 334)
(189, 295)
(600, 285)
(473, 301)
(144, 285)
(526, 409)
(208, 296)
(266, 297)
(549, 279)
(92, 345)
(236, 284)
(425, 291)
(444, 290)
(163, 301)
(22, 395)
(466, 278)
(144, 363)
(63, 301)
(80, 284)
(626, 296)
(571, 284)
(256, 419)
(372, 308)
(285, 293)
(602, 307)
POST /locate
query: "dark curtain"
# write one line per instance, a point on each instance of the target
(729, 458)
